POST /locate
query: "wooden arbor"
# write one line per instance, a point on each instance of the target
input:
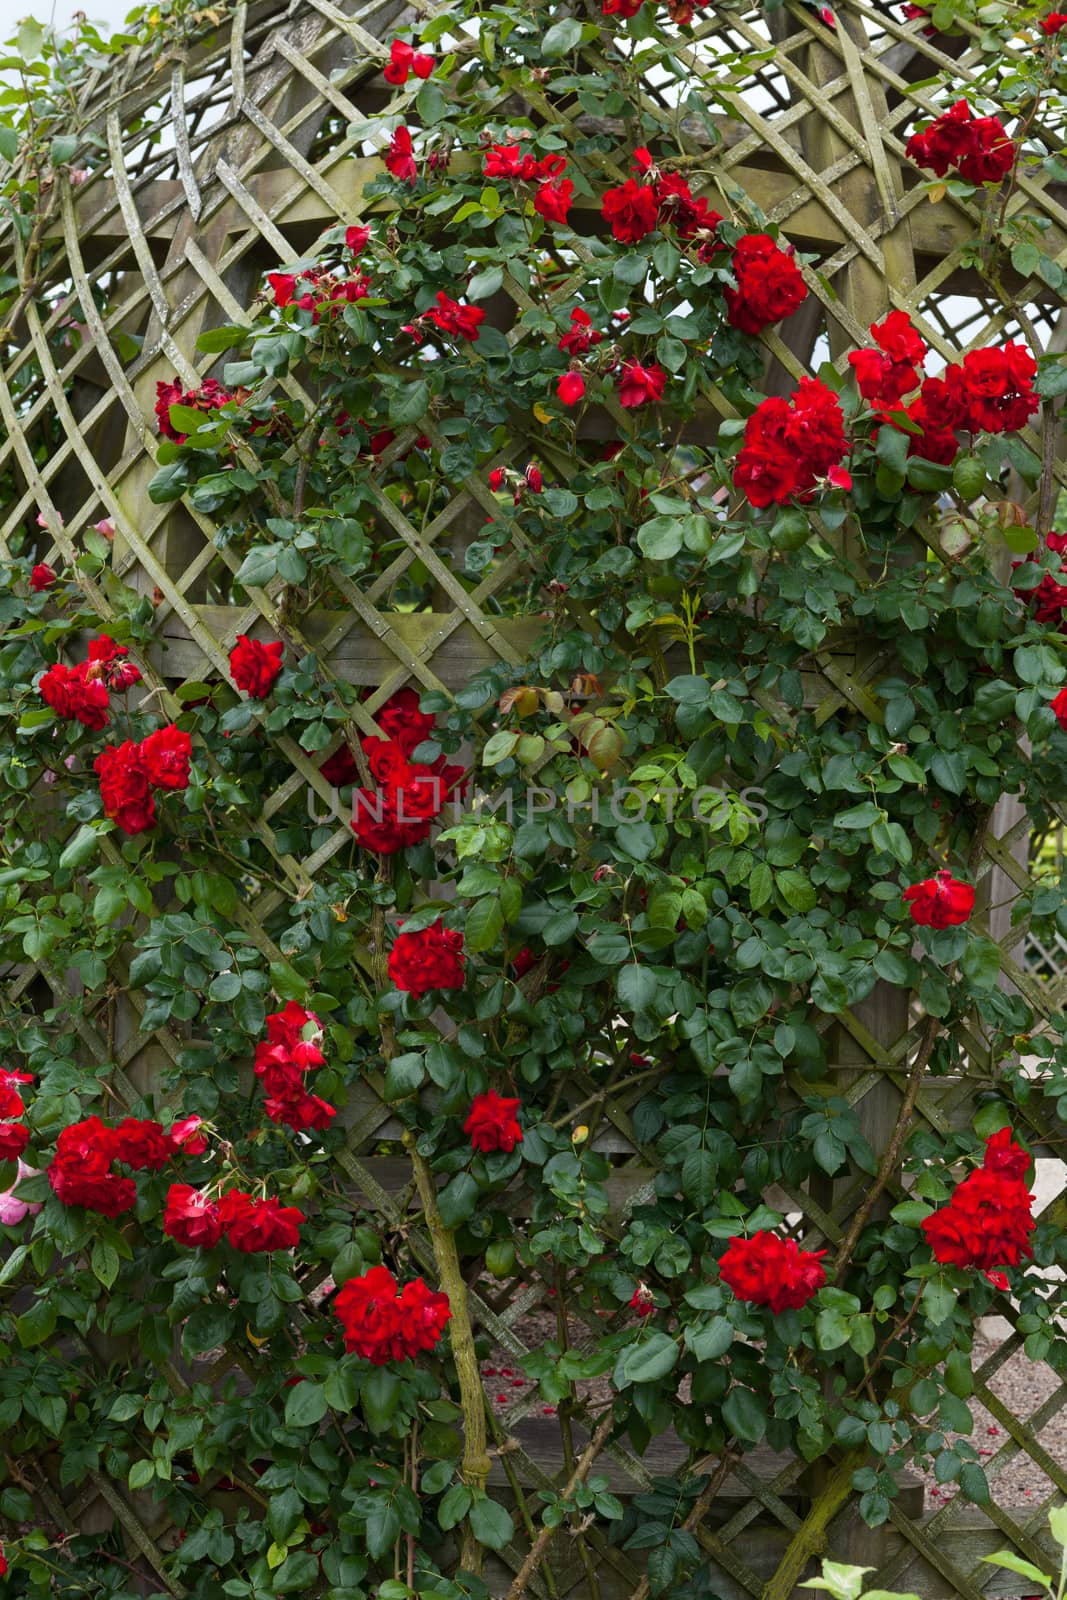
(229, 162)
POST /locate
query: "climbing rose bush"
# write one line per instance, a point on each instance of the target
(283, 953)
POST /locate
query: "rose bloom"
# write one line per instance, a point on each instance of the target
(258, 1225)
(208, 397)
(492, 1123)
(790, 445)
(12, 1209)
(124, 787)
(42, 577)
(571, 388)
(986, 1224)
(14, 1137)
(107, 661)
(357, 238)
(432, 958)
(74, 696)
(404, 59)
(80, 1172)
(299, 1110)
(190, 1218)
(451, 317)
(399, 159)
(255, 667)
(552, 200)
(183, 1138)
(1053, 23)
(640, 385)
(381, 1324)
(978, 147)
(1059, 706)
(295, 1026)
(1003, 1155)
(581, 334)
(768, 1271)
(642, 1302)
(769, 286)
(141, 1143)
(632, 211)
(940, 902)
(400, 719)
(165, 755)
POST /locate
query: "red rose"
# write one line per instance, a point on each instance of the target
(580, 335)
(295, 1027)
(258, 1225)
(571, 388)
(768, 1271)
(74, 696)
(978, 147)
(789, 445)
(124, 787)
(676, 204)
(638, 385)
(299, 1110)
(208, 397)
(451, 317)
(1059, 706)
(552, 200)
(140, 1143)
(165, 755)
(940, 902)
(14, 1137)
(986, 1224)
(356, 239)
(399, 159)
(10, 1101)
(899, 340)
(340, 769)
(376, 827)
(255, 667)
(381, 1324)
(403, 60)
(631, 210)
(80, 1172)
(642, 1302)
(432, 958)
(283, 287)
(3, 1563)
(932, 443)
(400, 719)
(995, 387)
(190, 1218)
(387, 760)
(106, 660)
(183, 1139)
(42, 577)
(492, 1123)
(1052, 24)
(769, 287)
(1003, 1155)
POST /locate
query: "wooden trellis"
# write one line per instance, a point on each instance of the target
(230, 162)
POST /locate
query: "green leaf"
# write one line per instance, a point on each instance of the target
(62, 149)
(169, 483)
(380, 1393)
(562, 37)
(648, 1360)
(298, 1571)
(258, 567)
(483, 923)
(636, 987)
(408, 404)
(404, 1075)
(711, 1341)
(454, 1506)
(223, 338)
(77, 852)
(831, 1330)
(458, 1199)
(661, 539)
(745, 1415)
(9, 143)
(35, 1325)
(491, 1524)
(689, 690)
(1013, 1563)
(305, 1405)
(981, 964)
(141, 1474)
(485, 284)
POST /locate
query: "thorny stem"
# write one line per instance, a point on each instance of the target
(581, 1472)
